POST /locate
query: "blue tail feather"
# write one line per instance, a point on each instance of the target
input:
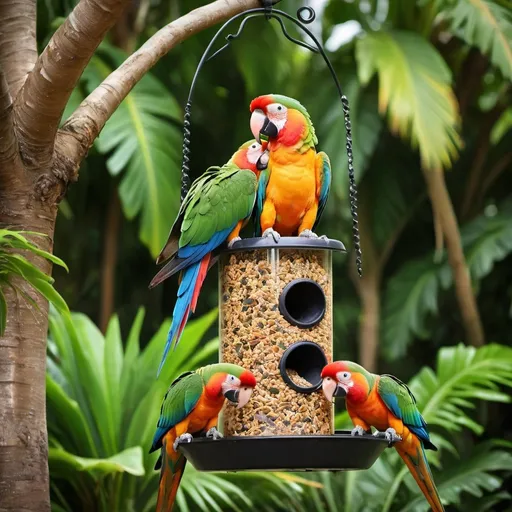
(188, 282)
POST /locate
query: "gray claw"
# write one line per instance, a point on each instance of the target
(214, 433)
(270, 232)
(324, 237)
(307, 233)
(389, 435)
(236, 239)
(184, 438)
(357, 431)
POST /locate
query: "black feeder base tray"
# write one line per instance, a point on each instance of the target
(339, 452)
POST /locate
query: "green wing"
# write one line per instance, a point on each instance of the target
(179, 401)
(401, 402)
(215, 203)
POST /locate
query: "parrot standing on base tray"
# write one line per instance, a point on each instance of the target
(217, 206)
(293, 190)
(386, 403)
(191, 406)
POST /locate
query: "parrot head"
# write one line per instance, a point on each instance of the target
(250, 155)
(232, 381)
(280, 118)
(346, 379)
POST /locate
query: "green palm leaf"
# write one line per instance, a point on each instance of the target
(144, 146)
(486, 25)
(415, 91)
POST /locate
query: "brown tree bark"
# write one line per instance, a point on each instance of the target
(36, 165)
(443, 209)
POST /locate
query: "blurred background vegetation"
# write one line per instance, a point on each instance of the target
(429, 86)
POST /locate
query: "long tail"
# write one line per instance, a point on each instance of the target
(172, 466)
(414, 456)
(191, 282)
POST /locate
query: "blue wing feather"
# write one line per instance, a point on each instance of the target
(260, 199)
(325, 188)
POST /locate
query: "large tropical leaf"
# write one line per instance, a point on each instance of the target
(415, 90)
(143, 145)
(14, 265)
(486, 25)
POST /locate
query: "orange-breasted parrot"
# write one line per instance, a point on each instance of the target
(191, 406)
(386, 403)
(217, 206)
(293, 190)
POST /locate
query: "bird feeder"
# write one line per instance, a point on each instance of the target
(275, 302)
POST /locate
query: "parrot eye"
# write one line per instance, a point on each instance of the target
(231, 378)
(345, 375)
(279, 107)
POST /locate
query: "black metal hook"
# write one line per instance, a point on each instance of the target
(305, 16)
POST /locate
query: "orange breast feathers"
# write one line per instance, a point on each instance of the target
(291, 196)
(371, 412)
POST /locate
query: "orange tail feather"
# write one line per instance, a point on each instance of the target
(414, 457)
(203, 269)
(173, 465)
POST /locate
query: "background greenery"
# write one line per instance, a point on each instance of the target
(429, 86)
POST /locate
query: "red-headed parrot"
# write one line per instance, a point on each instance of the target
(217, 206)
(386, 403)
(293, 190)
(191, 406)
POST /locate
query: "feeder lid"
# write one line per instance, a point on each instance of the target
(338, 452)
(287, 242)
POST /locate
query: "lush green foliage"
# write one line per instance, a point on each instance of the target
(14, 266)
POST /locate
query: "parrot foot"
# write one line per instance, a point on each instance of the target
(232, 242)
(307, 233)
(184, 438)
(270, 232)
(214, 433)
(324, 237)
(390, 435)
(357, 431)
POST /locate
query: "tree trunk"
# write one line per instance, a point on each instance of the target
(443, 208)
(24, 484)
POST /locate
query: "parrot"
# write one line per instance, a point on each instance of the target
(294, 187)
(386, 403)
(217, 206)
(190, 406)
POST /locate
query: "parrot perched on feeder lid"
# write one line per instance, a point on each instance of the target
(386, 403)
(191, 406)
(217, 206)
(293, 190)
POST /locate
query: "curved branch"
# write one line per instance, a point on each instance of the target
(7, 138)
(78, 133)
(18, 47)
(43, 97)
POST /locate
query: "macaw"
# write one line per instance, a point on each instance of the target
(217, 206)
(191, 406)
(293, 190)
(386, 403)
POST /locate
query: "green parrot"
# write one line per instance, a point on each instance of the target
(217, 206)
(191, 406)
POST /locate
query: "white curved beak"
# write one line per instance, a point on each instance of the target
(257, 121)
(329, 388)
(244, 396)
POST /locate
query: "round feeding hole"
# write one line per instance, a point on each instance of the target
(301, 366)
(302, 303)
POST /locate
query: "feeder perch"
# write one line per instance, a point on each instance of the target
(276, 320)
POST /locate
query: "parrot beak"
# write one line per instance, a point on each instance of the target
(268, 130)
(262, 162)
(232, 395)
(332, 389)
(257, 122)
(244, 396)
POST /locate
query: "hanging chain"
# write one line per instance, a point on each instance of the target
(185, 178)
(352, 186)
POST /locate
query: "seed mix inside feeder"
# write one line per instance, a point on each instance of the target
(275, 300)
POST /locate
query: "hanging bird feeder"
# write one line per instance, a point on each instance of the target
(276, 319)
